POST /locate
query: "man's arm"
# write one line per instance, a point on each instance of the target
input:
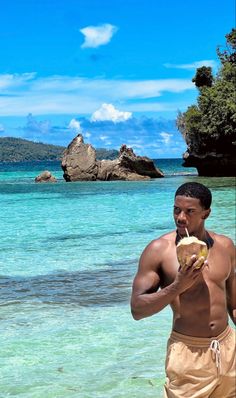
(231, 285)
(147, 299)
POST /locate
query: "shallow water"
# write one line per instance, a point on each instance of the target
(69, 252)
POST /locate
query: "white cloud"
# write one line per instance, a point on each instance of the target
(75, 126)
(2, 128)
(95, 36)
(109, 112)
(8, 81)
(150, 136)
(134, 145)
(193, 65)
(87, 134)
(28, 93)
(105, 140)
(103, 137)
(166, 137)
(42, 127)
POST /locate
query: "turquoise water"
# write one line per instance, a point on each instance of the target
(69, 252)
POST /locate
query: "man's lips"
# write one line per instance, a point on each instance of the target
(181, 226)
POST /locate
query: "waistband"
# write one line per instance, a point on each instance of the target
(199, 341)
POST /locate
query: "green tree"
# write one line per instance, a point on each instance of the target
(229, 53)
(210, 125)
(203, 77)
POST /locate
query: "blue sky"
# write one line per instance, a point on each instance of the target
(116, 71)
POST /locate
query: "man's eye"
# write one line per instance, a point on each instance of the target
(176, 210)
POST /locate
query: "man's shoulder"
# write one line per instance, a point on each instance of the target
(156, 250)
(163, 241)
(221, 239)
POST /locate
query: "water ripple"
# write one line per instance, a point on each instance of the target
(88, 235)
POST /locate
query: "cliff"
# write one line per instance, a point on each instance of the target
(209, 126)
(211, 164)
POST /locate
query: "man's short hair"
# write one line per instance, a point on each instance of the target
(196, 190)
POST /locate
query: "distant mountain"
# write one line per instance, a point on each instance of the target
(20, 150)
(102, 153)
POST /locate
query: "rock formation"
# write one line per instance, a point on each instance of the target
(211, 163)
(45, 176)
(79, 163)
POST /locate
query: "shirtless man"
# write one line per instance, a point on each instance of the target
(200, 361)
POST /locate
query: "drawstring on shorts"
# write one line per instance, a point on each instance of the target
(215, 347)
(213, 344)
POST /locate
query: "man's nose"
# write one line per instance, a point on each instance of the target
(181, 217)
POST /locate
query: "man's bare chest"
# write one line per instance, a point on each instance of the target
(215, 271)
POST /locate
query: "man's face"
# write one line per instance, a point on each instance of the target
(188, 213)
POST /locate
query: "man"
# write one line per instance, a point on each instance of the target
(200, 358)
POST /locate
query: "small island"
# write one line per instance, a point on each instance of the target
(209, 128)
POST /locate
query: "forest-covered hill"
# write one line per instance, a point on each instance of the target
(19, 150)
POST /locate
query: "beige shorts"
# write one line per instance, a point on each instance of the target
(201, 367)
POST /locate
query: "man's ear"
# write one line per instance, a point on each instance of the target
(206, 214)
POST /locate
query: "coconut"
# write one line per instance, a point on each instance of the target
(189, 246)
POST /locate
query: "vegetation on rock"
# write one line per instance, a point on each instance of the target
(210, 125)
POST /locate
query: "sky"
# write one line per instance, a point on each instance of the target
(116, 71)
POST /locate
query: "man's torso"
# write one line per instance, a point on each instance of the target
(202, 309)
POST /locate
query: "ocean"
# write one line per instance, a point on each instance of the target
(69, 252)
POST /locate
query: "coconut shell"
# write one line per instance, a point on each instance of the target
(188, 247)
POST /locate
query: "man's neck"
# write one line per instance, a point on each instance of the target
(203, 235)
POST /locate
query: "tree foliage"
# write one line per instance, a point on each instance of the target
(17, 150)
(203, 77)
(210, 125)
(229, 53)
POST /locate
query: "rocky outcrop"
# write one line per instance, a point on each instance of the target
(128, 167)
(79, 163)
(45, 176)
(211, 164)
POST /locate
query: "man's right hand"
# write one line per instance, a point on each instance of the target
(190, 274)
